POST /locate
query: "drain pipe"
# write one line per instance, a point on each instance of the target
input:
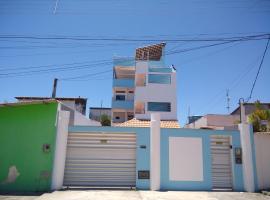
(155, 152)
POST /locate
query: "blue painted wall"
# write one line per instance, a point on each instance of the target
(206, 184)
(143, 155)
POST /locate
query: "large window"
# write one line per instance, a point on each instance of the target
(159, 78)
(159, 106)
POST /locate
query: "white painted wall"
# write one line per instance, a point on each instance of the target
(262, 148)
(60, 150)
(248, 175)
(156, 93)
(185, 159)
(155, 152)
(81, 120)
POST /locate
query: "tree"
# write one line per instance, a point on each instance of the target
(105, 120)
(260, 118)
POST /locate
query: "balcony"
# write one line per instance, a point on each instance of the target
(123, 62)
(153, 63)
(126, 83)
(126, 105)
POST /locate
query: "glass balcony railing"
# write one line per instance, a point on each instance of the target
(124, 61)
(127, 83)
(127, 105)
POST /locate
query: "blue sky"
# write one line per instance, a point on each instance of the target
(203, 75)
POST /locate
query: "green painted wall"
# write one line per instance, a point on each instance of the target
(23, 131)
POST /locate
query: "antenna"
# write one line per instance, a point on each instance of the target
(55, 6)
(228, 101)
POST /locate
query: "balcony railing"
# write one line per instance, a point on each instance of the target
(124, 61)
(127, 83)
(127, 105)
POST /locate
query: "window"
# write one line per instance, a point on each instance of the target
(159, 78)
(159, 106)
(120, 97)
(117, 117)
(131, 92)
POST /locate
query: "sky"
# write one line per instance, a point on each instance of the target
(29, 65)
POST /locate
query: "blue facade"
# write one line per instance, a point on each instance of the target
(143, 155)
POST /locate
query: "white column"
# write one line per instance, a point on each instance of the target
(60, 150)
(247, 161)
(155, 152)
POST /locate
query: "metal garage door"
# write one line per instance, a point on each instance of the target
(221, 162)
(100, 159)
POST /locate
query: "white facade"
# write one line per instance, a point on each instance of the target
(155, 92)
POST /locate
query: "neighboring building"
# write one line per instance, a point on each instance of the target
(96, 112)
(215, 121)
(250, 108)
(76, 107)
(223, 122)
(78, 104)
(143, 85)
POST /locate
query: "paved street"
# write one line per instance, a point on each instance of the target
(138, 195)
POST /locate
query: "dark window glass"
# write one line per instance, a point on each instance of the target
(159, 106)
(120, 97)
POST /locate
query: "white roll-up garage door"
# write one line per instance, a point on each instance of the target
(221, 162)
(101, 159)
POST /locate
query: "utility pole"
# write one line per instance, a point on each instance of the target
(54, 88)
(228, 101)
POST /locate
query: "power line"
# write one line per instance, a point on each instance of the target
(259, 69)
(132, 39)
(86, 75)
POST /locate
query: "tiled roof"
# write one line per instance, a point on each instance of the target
(146, 123)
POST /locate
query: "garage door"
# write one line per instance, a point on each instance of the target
(101, 159)
(221, 162)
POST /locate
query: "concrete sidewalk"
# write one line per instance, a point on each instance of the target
(138, 195)
(148, 195)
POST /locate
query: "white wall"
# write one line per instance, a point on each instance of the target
(185, 153)
(262, 148)
(60, 150)
(156, 93)
(80, 119)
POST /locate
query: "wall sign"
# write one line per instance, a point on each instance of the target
(144, 174)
